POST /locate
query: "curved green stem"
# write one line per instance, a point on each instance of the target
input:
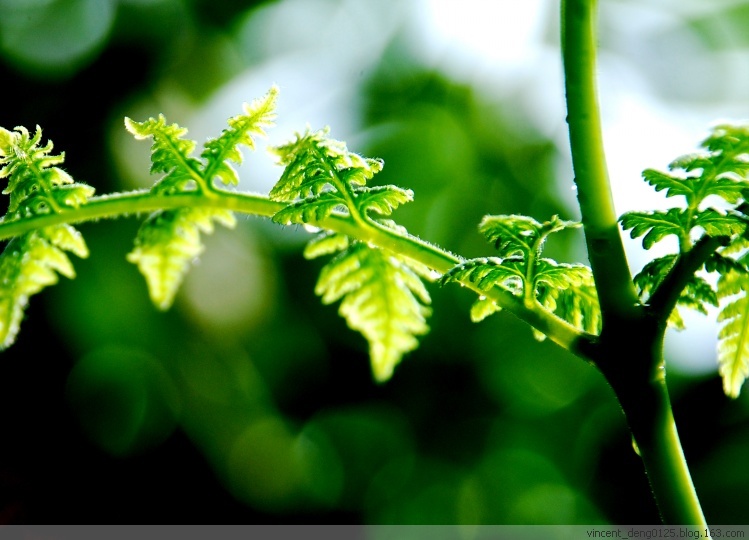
(556, 329)
(664, 299)
(439, 260)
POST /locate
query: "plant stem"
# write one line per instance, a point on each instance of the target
(643, 395)
(605, 249)
(439, 260)
(629, 332)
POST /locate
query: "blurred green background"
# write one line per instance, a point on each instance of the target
(249, 401)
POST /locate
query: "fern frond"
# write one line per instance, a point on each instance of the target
(567, 290)
(489, 272)
(717, 223)
(733, 337)
(382, 200)
(697, 294)
(35, 184)
(382, 297)
(652, 274)
(720, 169)
(731, 141)
(520, 235)
(258, 116)
(579, 306)
(314, 163)
(326, 244)
(722, 264)
(166, 245)
(168, 241)
(309, 210)
(322, 176)
(696, 188)
(171, 152)
(655, 226)
(30, 263)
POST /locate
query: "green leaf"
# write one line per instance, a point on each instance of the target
(578, 305)
(696, 295)
(489, 272)
(258, 116)
(733, 338)
(716, 223)
(482, 308)
(719, 170)
(326, 243)
(30, 263)
(382, 199)
(310, 210)
(728, 140)
(169, 240)
(566, 290)
(674, 185)
(382, 297)
(652, 274)
(35, 184)
(315, 163)
(171, 153)
(322, 176)
(717, 262)
(167, 243)
(712, 178)
(655, 226)
(520, 235)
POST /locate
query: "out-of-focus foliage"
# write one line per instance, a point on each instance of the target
(251, 402)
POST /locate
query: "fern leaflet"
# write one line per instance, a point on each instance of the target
(382, 297)
(321, 176)
(566, 290)
(33, 261)
(169, 240)
(171, 153)
(655, 226)
(166, 245)
(257, 117)
(733, 337)
(35, 184)
(30, 263)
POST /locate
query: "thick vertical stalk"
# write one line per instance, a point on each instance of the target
(628, 351)
(651, 421)
(640, 386)
(605, 248)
